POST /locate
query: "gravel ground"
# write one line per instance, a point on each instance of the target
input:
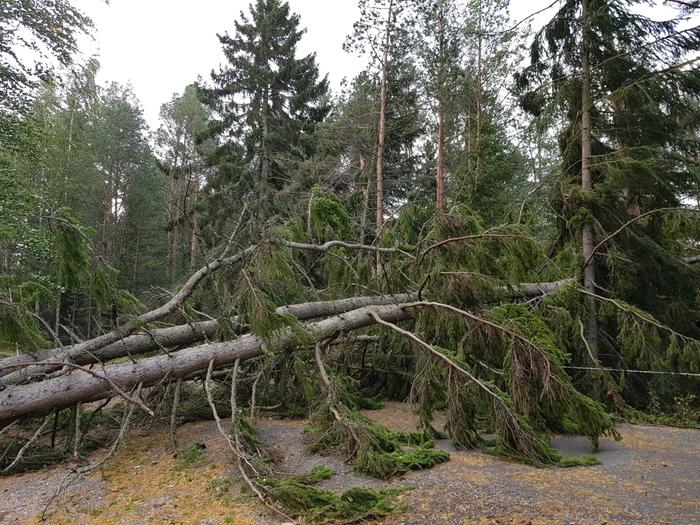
(651, 477)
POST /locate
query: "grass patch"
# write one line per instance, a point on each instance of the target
(191, 456)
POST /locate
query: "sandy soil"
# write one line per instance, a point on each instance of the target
(651, 477)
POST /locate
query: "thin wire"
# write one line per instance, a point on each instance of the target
(655, 372)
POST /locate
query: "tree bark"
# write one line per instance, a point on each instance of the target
(137, 344)
(64, 391)
(587, 234)
(440, 173)
(381, 132)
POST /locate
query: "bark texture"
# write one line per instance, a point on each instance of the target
(173, 336)
(79, 386)
(587, 234)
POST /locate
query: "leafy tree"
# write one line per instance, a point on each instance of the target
(32, 35)
(625, 88)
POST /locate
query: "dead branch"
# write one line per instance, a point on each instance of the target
(173, 415)
(28, 444)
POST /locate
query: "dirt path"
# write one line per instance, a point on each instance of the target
(651, 477)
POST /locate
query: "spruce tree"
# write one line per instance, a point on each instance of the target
(268, 103)
(625, 86)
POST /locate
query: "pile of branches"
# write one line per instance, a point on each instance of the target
(490, 353)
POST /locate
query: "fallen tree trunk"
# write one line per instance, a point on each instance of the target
(124, 330)
(11, 371)
(79, 386)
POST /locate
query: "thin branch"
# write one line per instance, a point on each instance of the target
(28, 444)
(628, 223)
(640, 316)
(485, 235)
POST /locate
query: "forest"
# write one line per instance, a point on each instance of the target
(494, 222)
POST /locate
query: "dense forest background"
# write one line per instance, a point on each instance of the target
(545, 186)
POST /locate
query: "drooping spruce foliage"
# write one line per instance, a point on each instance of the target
(644, 91)
(493, 348)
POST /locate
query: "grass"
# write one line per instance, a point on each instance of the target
(191, 456)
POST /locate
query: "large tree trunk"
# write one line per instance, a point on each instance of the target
(134, 345)
(587, 234)
(79, 386)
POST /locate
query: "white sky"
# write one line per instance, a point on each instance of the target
(160, 46)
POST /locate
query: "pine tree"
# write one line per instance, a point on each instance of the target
(269, 103)
(439, 41)
(183, 120)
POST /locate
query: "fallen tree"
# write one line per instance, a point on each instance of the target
(118, 333)
(16, 369)
(504, 352)
(24, 367)
(79, 386)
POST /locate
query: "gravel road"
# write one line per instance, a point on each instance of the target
(651, 477)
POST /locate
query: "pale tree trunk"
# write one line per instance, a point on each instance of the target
(263, 188)
(381, 132)
(589, 277)
(478, 97)
(64, 391)
(21, 368)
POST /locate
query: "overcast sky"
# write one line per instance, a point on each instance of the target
(160, 46)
